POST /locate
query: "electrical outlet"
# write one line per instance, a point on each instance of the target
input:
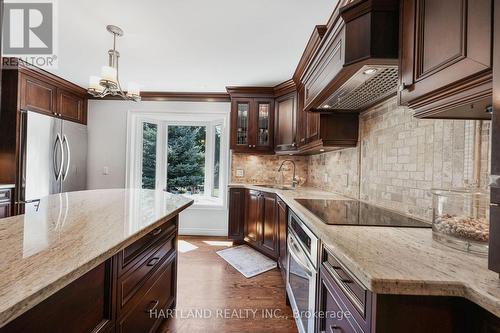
(325, 177)
(240, 173)
(105, 171)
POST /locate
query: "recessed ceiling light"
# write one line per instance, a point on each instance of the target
(326, 106)
(321, 150)
(370, 71)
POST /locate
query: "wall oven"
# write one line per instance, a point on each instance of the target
(302, 272)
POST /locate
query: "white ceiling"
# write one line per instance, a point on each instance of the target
(188, 45)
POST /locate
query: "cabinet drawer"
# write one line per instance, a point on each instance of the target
(131, 282)
(5, 195)
(137, 251)
(158, 297)
(335, 315)
(352, 289)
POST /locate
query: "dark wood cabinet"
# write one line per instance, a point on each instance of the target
(282, 218)
(85, 305)
(340, 290)
(128, 293)
(286, 124)
(253, 217)
(260, 223)
(37, 95)
(446, 58)
(5, 202)
(252, 124)
(71, 106)
(236, 226)
(269, 224)
(328, 132)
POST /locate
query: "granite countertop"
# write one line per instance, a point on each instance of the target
(71, 233)
(6, 186)
(392, 260)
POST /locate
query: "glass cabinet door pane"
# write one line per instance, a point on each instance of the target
(263, 124)
(242, 124)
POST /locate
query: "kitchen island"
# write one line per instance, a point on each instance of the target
(95, 255)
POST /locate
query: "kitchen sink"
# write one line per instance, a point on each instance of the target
(277, 187)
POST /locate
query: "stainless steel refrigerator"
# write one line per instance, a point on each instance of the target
(53, 158)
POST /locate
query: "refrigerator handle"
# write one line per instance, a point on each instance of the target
(65, 140)
(58, 173)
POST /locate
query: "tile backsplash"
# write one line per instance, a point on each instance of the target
(398, 160)
(263, 169)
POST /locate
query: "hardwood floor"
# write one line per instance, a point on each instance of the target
(231, 302)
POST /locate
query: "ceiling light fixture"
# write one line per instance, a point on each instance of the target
(108, 83)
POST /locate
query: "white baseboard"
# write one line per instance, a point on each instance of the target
(202, 232)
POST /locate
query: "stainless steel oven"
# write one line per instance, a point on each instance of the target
(302, 272)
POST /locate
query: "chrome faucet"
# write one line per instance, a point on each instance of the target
(294, 179)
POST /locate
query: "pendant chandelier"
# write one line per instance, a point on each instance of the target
(108, 83)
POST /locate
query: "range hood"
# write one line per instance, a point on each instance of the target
(356, 65)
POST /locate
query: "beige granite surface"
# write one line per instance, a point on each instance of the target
(391, 260)
(71, 233)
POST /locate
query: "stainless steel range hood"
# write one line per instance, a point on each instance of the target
(370, 85)
(356, 65)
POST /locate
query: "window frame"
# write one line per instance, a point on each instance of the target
(163, 120)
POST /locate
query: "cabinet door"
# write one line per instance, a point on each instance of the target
(282, 218)
(236, 214)
(269, 229)
(312, 133)
(286, 123)
(443, 43)
(262, 130)
(301, 118)
(71, 106)
(240, 124)
(37, 95)
(252, 217)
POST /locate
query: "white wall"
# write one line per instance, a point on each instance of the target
(107, 141)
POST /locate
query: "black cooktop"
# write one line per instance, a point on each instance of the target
(352, 212)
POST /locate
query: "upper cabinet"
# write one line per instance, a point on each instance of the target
(45, 93)
(356, 62)
(252, 120)
(446, 58)
(286, 123)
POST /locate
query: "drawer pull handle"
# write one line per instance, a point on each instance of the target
(156, 232)
(346, 280)
(152, 307)
(153, 262)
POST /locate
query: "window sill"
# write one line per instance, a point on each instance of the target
(206, 202)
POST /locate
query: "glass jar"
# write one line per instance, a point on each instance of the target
(461, 219)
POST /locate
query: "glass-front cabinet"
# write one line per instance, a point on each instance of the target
(252, 125)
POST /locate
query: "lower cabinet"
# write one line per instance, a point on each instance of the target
(254, 217)
(282, 218)
(345, 305)
(129, 293)
(261, 227)
(236, 227)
